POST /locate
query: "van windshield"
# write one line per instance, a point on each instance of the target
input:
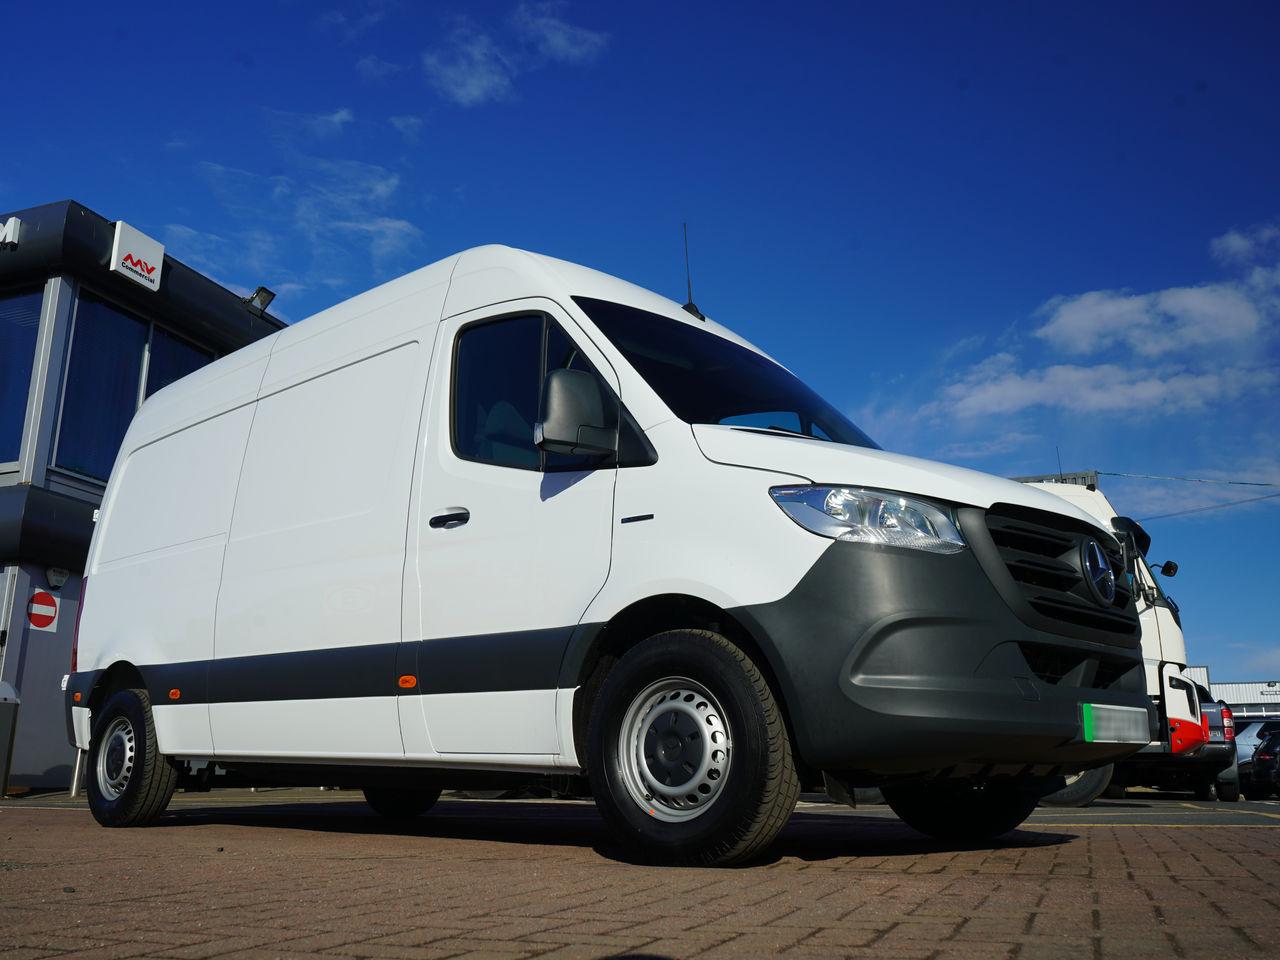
(704, 378)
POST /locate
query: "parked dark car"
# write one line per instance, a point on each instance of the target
(1249, 734)
(1264, 779)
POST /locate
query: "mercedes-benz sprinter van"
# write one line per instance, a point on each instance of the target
(507, 518)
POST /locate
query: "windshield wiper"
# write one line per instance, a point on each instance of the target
(784, 430)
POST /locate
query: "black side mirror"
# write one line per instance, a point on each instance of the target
(1169, 568)
(575, 421)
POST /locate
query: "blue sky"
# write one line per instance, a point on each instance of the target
(992, 232)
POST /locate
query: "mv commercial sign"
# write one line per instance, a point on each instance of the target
(9, 231)
(137, 257)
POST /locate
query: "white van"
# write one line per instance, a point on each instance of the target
(508, 518)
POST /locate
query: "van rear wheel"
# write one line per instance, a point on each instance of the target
(1081, 789)
(130, 782)
(688, 752)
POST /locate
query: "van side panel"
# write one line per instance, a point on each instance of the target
(315, 559)
(158, 562)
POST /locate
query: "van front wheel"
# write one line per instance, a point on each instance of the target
(130, 782)
(688, 753)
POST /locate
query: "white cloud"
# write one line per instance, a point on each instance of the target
(336, 210)
(374, 68)
(387, 236)
(287, 128)
(1150, 324)
(1266, 662)
(996, 446)
(408, 127)
(329, 124)
(352, 25)
(1246, 246)
(537, 23)
(471, 70)
(995, 386)
(193, 247)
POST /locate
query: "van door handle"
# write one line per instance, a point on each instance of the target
(453, 517)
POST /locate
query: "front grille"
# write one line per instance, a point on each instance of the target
(1044, 555)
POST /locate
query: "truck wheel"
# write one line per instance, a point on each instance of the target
(1229, 790)
(1081, 789)
(130, 782)
(688, 752)
(960, 810)
(400, 803)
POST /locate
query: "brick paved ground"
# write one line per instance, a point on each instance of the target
(520, 879)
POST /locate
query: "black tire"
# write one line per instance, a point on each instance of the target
(129, 781)
(1081, 789)
(1206, 790)
(688, 752)
(1114, 791)
(960, 810)
(1229, 791)
(401, 803)
(1256, 791)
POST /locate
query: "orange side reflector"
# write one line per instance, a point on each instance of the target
(175, 694)
(408, 682)
(77, 697)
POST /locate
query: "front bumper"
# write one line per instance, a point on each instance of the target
(896, 662)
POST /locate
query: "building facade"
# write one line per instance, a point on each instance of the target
(94, 318)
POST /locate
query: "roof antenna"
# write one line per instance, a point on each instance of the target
(689, 277)
(1058, 450)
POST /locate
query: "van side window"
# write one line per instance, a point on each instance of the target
(498, 370)
(497, 376)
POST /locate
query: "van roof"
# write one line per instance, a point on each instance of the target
(470, 280)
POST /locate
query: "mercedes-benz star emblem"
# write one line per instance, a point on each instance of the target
(1101, 577)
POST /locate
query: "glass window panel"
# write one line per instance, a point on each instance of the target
(497, 378)
(705, 378)
(101, 393)
(19, 323)
(171, 359)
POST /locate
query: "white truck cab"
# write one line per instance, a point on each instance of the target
(1178, 756)
(509, 517)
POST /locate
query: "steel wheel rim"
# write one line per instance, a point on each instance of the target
(675, 749)
(116, 758)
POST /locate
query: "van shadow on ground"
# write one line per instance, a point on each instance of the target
(810, 835)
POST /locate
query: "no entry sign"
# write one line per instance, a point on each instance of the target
(42, 611)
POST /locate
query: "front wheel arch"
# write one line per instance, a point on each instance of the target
(593, 653)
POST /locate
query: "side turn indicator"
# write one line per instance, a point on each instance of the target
(408, 682)
(175, 694)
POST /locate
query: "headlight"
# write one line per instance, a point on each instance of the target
(871, 516)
